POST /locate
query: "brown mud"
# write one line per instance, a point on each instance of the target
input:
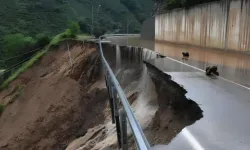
(57, 103)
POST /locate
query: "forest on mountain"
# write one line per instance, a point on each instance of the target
(27, 25)
(166, 5)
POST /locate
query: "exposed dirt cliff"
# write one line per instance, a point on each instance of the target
(53, 103)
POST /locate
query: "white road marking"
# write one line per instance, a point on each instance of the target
(192, 140)
(205, 71)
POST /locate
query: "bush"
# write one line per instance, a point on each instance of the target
(74, 28)
(98, 32)
(68, 34)
(38, 5)
(58, 9)
(42, 40)
(16, 44)
(85, 25)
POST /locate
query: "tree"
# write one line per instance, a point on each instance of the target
(42, 40)
(85, 25)
(74, 27)
(131, 4)
(16, 44)
(172, 4)
(99, 31)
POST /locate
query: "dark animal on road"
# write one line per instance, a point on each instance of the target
(185, 54)
(212, 71)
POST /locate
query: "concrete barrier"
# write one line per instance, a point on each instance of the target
(223, 24)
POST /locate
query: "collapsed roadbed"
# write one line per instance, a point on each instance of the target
(175, 110)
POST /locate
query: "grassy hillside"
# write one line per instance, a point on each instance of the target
(51, 17)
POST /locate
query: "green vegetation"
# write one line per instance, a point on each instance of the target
(74, 28)
(69, 33)
(27, 26)
(82, 36)
(42, 40)
(172, 4)
(60, 37)
(51, 16)
(21, 46)
(14, 44)
(136, 9)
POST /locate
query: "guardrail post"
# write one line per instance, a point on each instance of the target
(124, 134)
(108, 84)
(117, 120)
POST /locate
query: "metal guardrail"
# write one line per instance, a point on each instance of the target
(120, 117)
(107, 35)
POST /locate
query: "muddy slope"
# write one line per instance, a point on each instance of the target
(55, 103)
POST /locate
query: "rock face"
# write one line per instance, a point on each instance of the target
(57, 103)
(175, 110)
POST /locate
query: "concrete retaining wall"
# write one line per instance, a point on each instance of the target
(224, 25)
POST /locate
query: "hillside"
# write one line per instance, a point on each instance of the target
(51, 16)
(28, 20)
